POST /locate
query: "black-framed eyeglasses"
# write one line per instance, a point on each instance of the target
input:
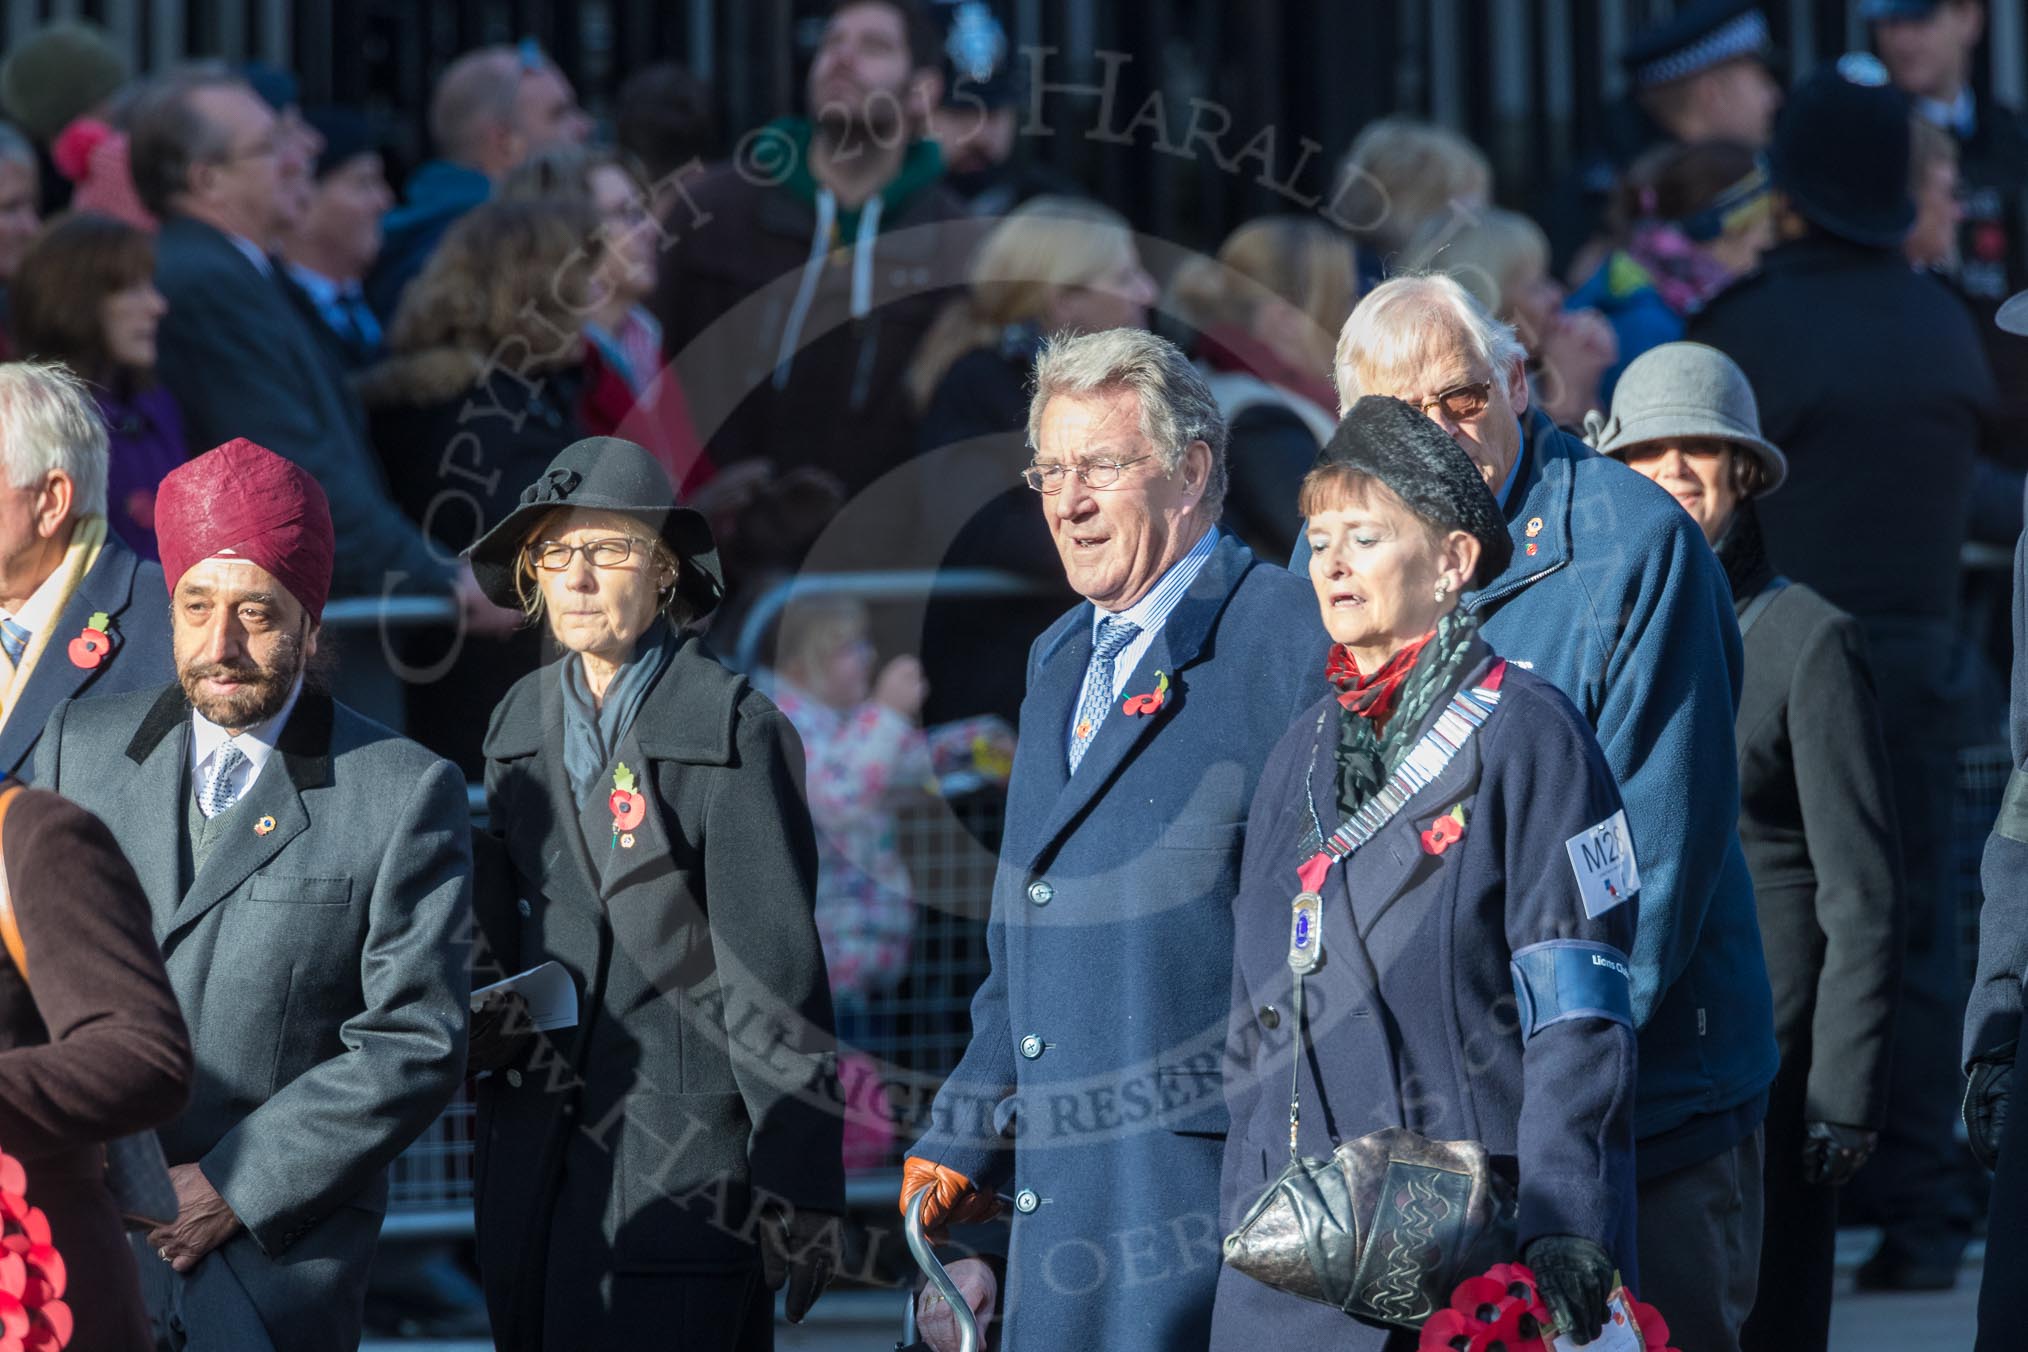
(1091, 473)
(553, 556)
(1461, 403)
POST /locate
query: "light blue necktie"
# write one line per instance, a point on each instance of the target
(14, 638)
(218, 791)
(1113, 638)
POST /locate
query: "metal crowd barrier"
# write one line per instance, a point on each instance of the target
(904, 585)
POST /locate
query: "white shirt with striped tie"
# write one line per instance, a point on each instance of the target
(257, 743)
(1149, 612)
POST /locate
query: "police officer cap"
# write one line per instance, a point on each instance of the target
(1695, 38)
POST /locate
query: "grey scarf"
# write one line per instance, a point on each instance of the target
(592, 732)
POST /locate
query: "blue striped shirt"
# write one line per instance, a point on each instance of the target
(1149, 612)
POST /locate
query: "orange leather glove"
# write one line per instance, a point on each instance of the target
(951, 1198)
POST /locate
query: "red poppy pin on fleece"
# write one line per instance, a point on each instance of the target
(628, 806)
(93, 643)
(1152, 701)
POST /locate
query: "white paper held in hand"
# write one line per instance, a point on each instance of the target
(1620, 1333)
(549, 991)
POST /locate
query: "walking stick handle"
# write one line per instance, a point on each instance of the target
(926, 1259)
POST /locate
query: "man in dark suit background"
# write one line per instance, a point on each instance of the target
(236, 353)
(62, 571)
(319, 967)
(327, 253)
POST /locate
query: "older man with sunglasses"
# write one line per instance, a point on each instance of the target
(1614, 596)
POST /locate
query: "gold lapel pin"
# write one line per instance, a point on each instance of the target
(264, 825)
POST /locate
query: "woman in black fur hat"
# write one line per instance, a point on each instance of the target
(1433, 910)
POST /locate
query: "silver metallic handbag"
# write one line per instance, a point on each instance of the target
(1384, 1229)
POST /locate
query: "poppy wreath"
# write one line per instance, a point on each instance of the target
(1501, 1311)
(33, 1316)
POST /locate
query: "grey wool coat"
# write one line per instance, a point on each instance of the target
(622, 1163)
(319, 964)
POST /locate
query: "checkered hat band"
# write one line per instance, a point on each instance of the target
(1746, 35)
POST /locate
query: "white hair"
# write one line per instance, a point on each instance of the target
(49, 421)
(1407, 322)
(1177, 407)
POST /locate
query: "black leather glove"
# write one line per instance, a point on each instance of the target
(800, 1248)
(501, 1031)
(1992, 1077)
(1833, 1153)
(1573, 1276)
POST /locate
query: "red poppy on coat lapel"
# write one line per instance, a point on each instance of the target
(1150, 702)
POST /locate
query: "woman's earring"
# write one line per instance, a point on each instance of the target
(1443, 589)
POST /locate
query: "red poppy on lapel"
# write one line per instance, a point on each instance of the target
(94, 642)
(1445, 831)
(1151, 702)
(628, 807)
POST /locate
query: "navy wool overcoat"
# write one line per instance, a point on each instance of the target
(1091, 1088)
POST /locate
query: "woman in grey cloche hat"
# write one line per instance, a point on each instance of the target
(1816, 819)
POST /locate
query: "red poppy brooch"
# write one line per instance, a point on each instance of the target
(94, 643)
(629, 807)
(1151, 702)
(1445, 831)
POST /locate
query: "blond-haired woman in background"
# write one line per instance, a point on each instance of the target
(458, 427)
(1054, 265)
(1502, 258)
(1400, 175)
(1267, 310)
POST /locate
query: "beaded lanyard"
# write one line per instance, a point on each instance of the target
(1466, 713)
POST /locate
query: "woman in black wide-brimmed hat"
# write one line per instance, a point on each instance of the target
(1440, 849)
(655, 1170)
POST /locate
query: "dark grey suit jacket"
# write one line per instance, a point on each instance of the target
(319, 959)
(242, 362)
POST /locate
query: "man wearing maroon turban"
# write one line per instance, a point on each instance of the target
(309, 873)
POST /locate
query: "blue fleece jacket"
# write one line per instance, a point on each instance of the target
(438, 194)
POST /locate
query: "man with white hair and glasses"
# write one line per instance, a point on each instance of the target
(81, 614)
(1615, 597)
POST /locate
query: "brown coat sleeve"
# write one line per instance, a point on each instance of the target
(117, 1059)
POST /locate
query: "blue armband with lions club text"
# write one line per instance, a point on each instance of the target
(1571, 979)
